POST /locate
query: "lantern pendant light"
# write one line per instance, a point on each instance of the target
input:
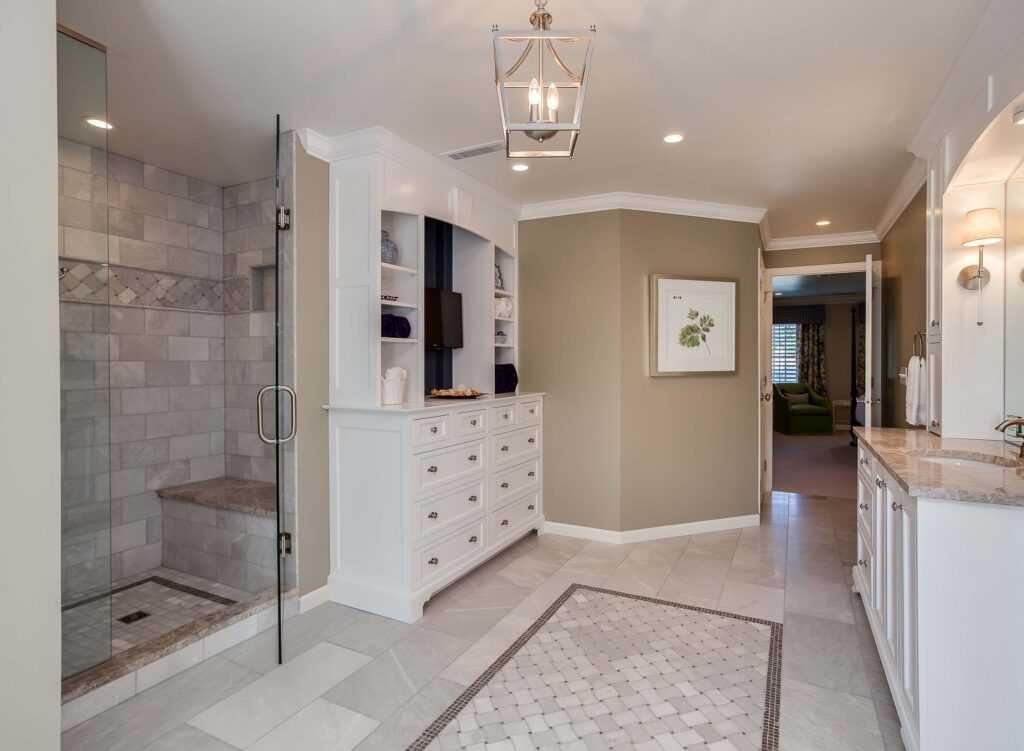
(558, 65)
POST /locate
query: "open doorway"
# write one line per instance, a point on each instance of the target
(819, 336)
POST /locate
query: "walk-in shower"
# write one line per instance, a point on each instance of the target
(171, 315)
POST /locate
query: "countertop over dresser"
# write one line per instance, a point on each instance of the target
(901, 452)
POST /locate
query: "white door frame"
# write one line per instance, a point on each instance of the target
(765, 446)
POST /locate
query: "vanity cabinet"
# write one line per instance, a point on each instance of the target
(422, 494)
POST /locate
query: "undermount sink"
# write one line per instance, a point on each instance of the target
(973, 462)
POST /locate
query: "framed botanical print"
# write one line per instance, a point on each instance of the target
(692, 325)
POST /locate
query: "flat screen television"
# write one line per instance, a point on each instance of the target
(442, 320)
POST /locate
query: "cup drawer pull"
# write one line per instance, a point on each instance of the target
(504, 448)
(473, 423)
(472, 457)
(532, 440)
(432, 515)
(432, 468)
(504, 484)
(433, 429)
(533, 411)
(505, 416)
(531, 507)
(504, 522)
(863, 506)
(472, 539)
(472, 499)
(432, 562)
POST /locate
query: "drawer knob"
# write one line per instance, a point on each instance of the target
(432, 515)
(533, 411)
(935, 323)
(897, 506)
(504, 484)
(504, 448)
(504, 522)
(864, 462)
(879, 482)
(473, 538)
(472, 499)
(433, 429)
(473, 423)
(505, 416)
(863, 506)
(531, 473)
(532, 440)
(935, 423)
(531, 507)
(432, 562)
(472, 457)
(432, 468)
(862, 562)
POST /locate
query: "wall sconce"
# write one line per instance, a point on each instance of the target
(981, 227)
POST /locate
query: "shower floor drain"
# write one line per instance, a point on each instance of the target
(138, 615)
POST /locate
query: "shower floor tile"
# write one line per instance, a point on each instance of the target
(141, 609)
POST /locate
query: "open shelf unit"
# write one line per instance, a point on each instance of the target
(403, 280)
(505, 296)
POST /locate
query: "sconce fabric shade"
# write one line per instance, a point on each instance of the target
(982, 227)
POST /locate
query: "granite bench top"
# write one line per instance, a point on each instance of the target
(230, 493)
(900, 452)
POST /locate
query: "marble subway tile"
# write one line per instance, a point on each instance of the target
(142, 200)
(165, 181)
(123, 169)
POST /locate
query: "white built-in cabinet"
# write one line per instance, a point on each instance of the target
(941, 584)
(423, 491)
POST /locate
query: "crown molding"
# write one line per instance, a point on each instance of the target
(641, 202)
(381, 141)
(822, 241)
(766, 230)
(911, 183)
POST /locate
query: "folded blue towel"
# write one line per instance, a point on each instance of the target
(388, 326)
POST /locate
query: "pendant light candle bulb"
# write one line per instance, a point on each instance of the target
(552, 98)
(534, 97)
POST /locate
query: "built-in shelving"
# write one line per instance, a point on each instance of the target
(396, 340)
(399, 304)
(502, 293)
(398, 269)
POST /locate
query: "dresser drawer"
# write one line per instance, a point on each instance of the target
(447, 511)
(437, 559)
(430, 430)
(469, 424)
(528, 412)
(503, 417)
(511, 482)
(514, 446)
(515, 516)
(442, 466)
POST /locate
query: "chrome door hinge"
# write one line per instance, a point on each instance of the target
(764, 465)
(284, 218)
(284, 544)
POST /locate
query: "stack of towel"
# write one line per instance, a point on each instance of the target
(917, 391)
(395, 327)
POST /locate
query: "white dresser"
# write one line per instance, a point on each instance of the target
(423, 493)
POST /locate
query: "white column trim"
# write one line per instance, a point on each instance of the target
(641, 202)
(650, 533)
(822, 241)
(912, 182)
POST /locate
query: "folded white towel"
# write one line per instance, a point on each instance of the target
(917, 391)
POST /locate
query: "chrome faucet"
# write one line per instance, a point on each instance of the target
(1013, 421)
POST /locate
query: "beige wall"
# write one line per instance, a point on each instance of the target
(687, 451)
(310, 221)
(570, 347)
(903, 304)
(780, 259)
(622, 450)
(30, 384)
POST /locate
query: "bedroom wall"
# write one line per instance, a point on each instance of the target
(622, 450)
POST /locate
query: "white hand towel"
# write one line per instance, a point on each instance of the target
(916, 391)
(922, 391)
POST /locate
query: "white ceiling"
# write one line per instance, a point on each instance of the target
(803, 107)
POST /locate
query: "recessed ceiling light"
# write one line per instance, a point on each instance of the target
(1018, 115)
(823, 222)
(99, 122)
(520, 167)
(673, 138)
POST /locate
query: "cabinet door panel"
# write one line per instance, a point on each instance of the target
(889, 553)
(907, 647)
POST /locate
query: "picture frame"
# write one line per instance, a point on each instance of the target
(692, 325)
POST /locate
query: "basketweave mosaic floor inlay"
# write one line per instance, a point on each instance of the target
(609, 670)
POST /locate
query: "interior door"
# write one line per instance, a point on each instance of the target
(764, 375)
(872, 397)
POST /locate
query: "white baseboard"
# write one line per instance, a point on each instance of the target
(312, 599)
(651, 533)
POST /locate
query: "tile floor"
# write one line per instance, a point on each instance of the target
(355, 680)
(92, 631)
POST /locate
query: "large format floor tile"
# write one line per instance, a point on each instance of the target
(353, 679)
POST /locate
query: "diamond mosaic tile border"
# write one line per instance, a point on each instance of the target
(89, 281)
(770, 723)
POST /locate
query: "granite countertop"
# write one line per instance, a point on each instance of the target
(229, 493)
(431, 404)
(900, 452)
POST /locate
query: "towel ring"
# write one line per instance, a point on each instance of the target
(919, 338)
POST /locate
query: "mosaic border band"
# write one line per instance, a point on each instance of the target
(156, 580)
(773, 684)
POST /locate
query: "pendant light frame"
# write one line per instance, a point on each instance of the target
(533, 45)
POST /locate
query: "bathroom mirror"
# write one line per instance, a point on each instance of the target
(1014, 342)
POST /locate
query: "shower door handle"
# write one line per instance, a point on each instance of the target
(259, 413)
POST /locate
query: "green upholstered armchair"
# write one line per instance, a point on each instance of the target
(811, 418)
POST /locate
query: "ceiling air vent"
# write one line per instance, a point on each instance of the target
(473, 151)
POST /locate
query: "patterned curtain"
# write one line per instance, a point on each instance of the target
(861, 358)
(812, 356)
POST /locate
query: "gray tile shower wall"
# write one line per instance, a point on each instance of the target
(249, 324)
(162, 235)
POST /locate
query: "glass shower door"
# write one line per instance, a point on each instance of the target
(81, 278)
